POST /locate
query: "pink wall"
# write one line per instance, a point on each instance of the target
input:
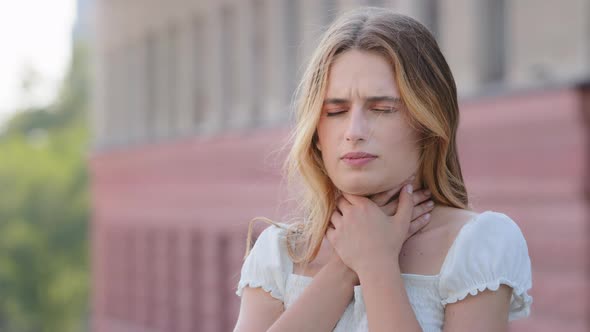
(169, 220)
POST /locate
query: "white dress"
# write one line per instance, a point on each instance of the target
(489, 250)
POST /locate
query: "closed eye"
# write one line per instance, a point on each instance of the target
(384, 110)
(334, 113)
(379, 110)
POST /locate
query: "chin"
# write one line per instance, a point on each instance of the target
(359, 188)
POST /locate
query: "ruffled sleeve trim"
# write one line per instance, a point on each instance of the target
(274, 291)
(520, 302)
(488, 251)
(266, 264)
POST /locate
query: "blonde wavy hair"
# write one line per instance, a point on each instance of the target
(427, 90)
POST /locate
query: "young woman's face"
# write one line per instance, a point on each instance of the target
(362, 114)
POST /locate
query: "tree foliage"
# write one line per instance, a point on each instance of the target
(44, 211)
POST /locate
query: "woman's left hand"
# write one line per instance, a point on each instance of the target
(364, 236)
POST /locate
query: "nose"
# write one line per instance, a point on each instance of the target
(358, 127)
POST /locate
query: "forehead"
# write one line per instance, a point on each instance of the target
(358, 74)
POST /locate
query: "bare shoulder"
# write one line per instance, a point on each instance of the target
(452, 220)
(424, 253)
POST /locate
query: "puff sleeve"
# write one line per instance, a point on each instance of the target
(266, 264)
(488, 251)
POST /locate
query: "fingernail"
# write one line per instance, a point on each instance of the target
(427, 216)
(409, 188)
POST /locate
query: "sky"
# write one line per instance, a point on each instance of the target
(34, 34)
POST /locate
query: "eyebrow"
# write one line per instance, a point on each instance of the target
(372, 99)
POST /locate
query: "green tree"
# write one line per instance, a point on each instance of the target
(44, 211)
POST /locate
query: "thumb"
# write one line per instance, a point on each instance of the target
(405, 207)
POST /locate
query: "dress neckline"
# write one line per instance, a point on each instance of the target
(411, 276)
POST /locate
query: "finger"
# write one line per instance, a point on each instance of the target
(353, 199)
(331, 235)
(418, 197)
(383, 198)
(390, 208)
(387, 196)
(422, 209)
(421, 195)
(342, 204)
(405, 206)
(417, 224)
(335, 219)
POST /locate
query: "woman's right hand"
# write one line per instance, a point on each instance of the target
(388, 201)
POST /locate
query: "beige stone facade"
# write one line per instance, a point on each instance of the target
(169, 221)
(177, 68)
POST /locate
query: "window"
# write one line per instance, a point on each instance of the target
(329, 11)
(228, 63)
(292, 26)
(150, 70)
(172, 62)
(493, 40)
(431, 13)
(259, 47)
(199, 102)
(375, 3)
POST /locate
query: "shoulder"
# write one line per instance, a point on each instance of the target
(267, 264)
(460, 225)
(485, 235)
(425, 251)
(493, 231)
(271, 243)
(451, 222)
(489, 250)
(273, 233)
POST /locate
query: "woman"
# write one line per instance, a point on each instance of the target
(376, 106)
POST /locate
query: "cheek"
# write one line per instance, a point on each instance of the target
(400, 147)
(326, 139)
(328, 152)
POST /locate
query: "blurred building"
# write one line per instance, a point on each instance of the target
(192, 97)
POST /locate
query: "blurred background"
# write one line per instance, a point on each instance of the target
(139, 137)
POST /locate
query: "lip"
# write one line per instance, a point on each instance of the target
(358, 158)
